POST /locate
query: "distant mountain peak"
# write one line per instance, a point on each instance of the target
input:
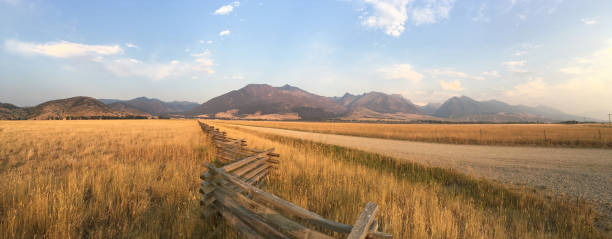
(467, 109)
(152, 106)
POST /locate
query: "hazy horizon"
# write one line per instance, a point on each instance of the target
(550, 52)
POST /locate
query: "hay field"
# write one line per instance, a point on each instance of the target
(415, 201)
(560, 135)
(101, 179)
(139, 179)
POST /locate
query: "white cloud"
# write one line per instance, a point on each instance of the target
(62, 49)
(490, 73)
(128, 67)
(515, 66)
(451, 86)
(587, 88)
(391, 15)
(432, 12)
(450, 73)
(589, 21)
(226, 9)
(109, 58)
(401, 72)
(224, 32)
(130, 45)
(520, 53)
(209, 42)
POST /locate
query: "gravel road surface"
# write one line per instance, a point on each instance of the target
(585, 173)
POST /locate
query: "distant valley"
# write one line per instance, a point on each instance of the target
(265, 102)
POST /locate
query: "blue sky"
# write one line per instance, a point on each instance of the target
(533, 52)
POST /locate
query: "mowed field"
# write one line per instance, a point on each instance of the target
(560, 135)
(140, 179)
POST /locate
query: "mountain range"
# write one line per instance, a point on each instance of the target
(265, 102)
(150, 106)
(79, 107)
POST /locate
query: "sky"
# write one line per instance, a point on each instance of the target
(532, 52)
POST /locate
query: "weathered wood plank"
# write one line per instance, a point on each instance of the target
(248, 217)
(374, 226)
(243, 228)
(205, 202)
(282, 205)
(241, 171)
(257, 177)
(274, 218)
(255, 172)
(363, 223)
(240, 163)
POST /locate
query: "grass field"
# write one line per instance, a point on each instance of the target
(415, 201)
(561, 135)
(139, 179)
(101, 179)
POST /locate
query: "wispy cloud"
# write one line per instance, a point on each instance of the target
(401, 72)
(226, 9)
(111, 58)
(130, 45)
(515, 66)
(224, 32)
(128, 67)
(586, 90)
(452, 74)
(481, 16)
(493, 73)
(589, 21)
(432, 11)
(61, 49)
(391, 15)
(451, 86)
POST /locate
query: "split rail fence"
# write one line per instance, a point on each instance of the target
(233, 192)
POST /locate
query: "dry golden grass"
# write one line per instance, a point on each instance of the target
(101, 179)
(486, 134)
(415, 201)
(139, 179)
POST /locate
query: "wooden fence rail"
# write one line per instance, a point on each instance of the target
(232, 192)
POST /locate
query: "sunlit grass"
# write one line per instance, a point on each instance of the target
(415, 201)
(139, 179)
(101, 179)
(562, 135)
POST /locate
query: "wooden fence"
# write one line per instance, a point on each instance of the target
(232, 191)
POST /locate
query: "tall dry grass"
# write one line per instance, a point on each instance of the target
(563, 135)
(139, 179)
(415, 201)
(102, 179)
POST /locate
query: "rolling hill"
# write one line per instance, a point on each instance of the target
(467, 109)
(79, 107)
(151, 106)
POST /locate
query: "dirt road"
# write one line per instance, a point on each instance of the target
(585, 173)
